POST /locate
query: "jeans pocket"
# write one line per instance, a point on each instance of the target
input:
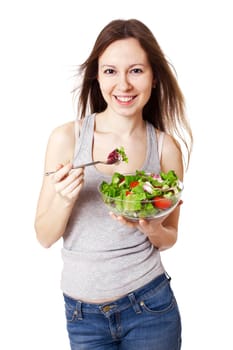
(71, 311)
(162, 300)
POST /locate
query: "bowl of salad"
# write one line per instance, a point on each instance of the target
(142, 195)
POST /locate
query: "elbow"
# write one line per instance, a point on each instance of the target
(44, 243)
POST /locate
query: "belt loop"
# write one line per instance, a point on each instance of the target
(167, 275)
(134, 303)
(79, 310)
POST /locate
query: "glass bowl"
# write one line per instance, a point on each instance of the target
(142, 195)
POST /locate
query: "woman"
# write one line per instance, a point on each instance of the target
(116, 291)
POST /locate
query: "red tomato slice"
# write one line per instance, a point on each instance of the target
(133, 184)
(162, 203)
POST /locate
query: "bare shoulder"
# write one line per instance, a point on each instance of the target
(170, 145)
(63, 133)
(61, 144)
(171, 156)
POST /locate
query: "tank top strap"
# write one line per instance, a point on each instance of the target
(152, 162)
(83, 148)
(160, 143)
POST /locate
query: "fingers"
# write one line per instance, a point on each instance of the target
(123, 220)
(61, 172)
(70, 186)
(59, 166)
(149, 227)
(145, 226)
(68, 182)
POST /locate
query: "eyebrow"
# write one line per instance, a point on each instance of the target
(112, 66)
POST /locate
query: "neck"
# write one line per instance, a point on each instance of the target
(122, 125)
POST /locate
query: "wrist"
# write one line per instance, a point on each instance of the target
(63, 202)
(163, 237)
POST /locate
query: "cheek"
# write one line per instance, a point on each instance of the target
(105, 86)
(144, 84)
(147, 89)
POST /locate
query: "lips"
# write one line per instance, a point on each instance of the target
(125, 99)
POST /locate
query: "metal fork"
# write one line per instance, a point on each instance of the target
(86, 164)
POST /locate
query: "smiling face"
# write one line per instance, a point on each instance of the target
(125, 77)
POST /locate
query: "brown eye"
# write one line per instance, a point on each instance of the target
(109, 71)
(136, 70)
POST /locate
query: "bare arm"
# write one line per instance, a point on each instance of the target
(163, 232)
(60, 191)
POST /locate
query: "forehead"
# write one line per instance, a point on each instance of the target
(125, 50)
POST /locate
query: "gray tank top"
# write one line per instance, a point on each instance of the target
(103, 259)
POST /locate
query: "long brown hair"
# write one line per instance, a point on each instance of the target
(165, 108)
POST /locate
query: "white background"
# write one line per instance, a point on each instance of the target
(41, 43)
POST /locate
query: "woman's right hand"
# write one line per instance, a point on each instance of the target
(68, 182)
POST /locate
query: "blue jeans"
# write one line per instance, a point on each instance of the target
(146, 319)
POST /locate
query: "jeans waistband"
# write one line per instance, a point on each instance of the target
(131, 299)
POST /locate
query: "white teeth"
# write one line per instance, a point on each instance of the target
(124, 99)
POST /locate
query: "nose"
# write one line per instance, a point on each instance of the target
(123, 82)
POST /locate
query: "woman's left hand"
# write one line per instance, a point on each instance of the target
(148, 227)
(159, 231)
